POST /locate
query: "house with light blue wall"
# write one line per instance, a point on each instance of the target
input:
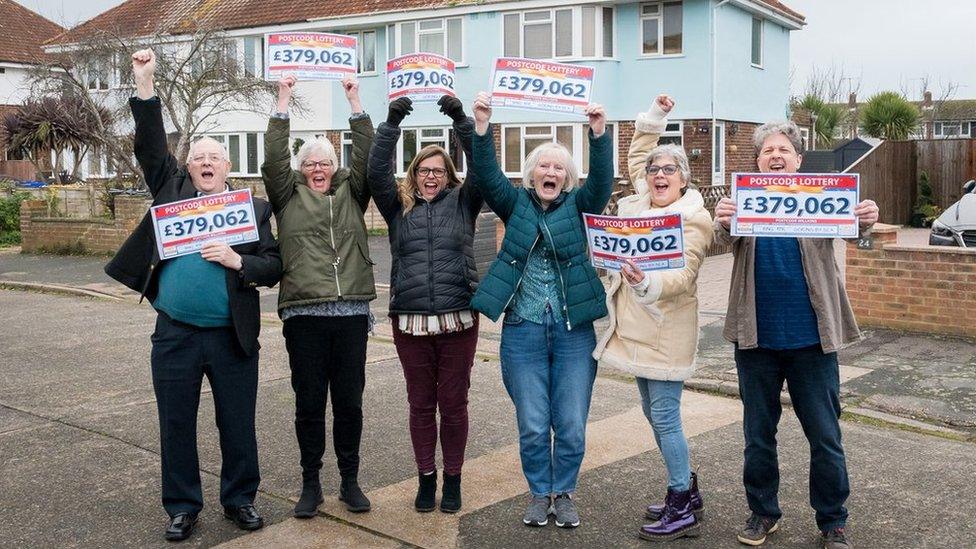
(726, 62)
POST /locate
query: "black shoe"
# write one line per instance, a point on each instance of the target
(246, 517)
(180, 526)
(451, 494)
(352, 495)
(426, 493)
(311, 498)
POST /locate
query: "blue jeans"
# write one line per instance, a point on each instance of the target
(548, 372)
(661, 401)
(812, 378)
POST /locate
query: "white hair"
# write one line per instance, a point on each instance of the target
(563, 156)
(321, 146)
(203, 140)
(677, 153)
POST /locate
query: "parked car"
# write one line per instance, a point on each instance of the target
(957, 224)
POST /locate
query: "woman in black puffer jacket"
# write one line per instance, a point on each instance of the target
(431, 217)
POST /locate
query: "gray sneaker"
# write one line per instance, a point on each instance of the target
(835, 539)
(756, 529)
(566, 514)
(537, 513)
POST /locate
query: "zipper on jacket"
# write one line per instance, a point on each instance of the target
(335, 262)
(430, 259)
(559, 271)
(521, 276)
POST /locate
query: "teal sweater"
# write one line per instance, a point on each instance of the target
(194, 291)
(561, 225)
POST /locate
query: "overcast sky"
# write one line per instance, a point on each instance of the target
(885, 44)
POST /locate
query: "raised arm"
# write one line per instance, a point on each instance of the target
(279, 178)
(463, 129)
(150, 147)
(362, 140)
(382, 160)
(595, 194)
(647, 132)
(496, 189)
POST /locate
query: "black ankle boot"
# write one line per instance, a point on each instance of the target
(426, 493)
(451, 493)
(352, 495)
(309, 501)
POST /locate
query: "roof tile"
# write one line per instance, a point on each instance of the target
(22, 32)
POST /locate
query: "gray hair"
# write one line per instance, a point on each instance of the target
(202, 140)
(786, 128)
(563, 155)
(677, 153)
(321, 146)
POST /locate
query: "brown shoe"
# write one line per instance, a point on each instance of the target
(835, 539)
(756, 529)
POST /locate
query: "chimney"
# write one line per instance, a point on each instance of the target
(927, 100)
(852, 101)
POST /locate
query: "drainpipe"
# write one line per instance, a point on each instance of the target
(714, 83)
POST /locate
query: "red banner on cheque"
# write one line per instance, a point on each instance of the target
(795, 205)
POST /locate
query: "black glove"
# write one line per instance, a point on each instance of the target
(399, 109)
(451, 106)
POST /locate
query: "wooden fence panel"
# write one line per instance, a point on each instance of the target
(20, 169)
(888, 177)
(949, 163)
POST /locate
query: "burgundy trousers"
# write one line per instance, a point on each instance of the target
(437, 369)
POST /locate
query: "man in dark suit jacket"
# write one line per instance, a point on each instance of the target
(208, 320)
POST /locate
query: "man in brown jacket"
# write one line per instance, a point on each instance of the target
(788, 315)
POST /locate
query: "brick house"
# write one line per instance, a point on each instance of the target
(22, 33)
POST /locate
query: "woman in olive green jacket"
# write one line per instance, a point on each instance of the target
(325, 290)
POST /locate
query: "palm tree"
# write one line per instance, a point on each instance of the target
(889, 116)
(827, 117)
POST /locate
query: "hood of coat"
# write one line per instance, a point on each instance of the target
(639, 205)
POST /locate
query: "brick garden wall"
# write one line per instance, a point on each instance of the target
(40, 233)
(918, 288)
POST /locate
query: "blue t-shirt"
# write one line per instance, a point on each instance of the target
(784, 315)
(194, 291)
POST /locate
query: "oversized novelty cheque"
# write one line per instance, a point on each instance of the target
(652, 243)
(310, 55)
(184, 227)
(540, 85)
(424, 77)
(795, 205)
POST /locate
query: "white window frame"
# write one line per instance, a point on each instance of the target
(257, 68)
(345, 138)
(718, 153)
(394, 31)
(224, 139)
(577, 31)
(359, 34)
(805, 138)
(659, 16)
(939, 129)
(674, 132)
(762, 41)
(443, 140)
(580, 132)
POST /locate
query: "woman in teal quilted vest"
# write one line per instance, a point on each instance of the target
(549, 292)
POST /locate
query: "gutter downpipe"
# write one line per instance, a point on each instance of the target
(715, 84)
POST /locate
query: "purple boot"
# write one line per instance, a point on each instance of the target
(677, 521)
(655, 511)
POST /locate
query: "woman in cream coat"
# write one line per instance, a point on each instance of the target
(653, 330)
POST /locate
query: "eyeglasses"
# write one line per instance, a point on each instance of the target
(311, 165)
(668, 169)
(212, 157)
(436, 172)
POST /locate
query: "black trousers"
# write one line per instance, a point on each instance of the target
(181, 356)
(328, 354)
